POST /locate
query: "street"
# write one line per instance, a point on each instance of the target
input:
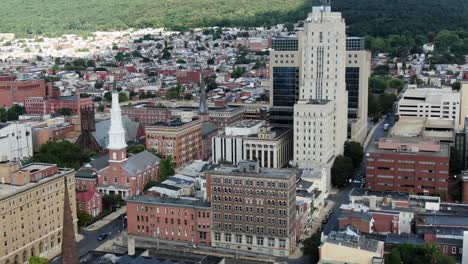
(90, 238)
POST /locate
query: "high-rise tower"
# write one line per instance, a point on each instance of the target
(320, 115)
(117, 144)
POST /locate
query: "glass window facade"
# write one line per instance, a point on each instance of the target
(352, 86)
(355, 43)
(285, 95)
(285, 44)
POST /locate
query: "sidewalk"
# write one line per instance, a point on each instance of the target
(106, 220)
(371, 133)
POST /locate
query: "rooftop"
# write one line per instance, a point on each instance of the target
(172, 123)
(260, 173)
(412, 126)
(426, 147)
(246, 123)
(359, 242)
(157, 200)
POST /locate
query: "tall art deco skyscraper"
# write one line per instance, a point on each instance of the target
(320, 114)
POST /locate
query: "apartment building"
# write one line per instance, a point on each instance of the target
(13, 91)
(179, 219)
(408, 165)
(253, 208)
(146, 114)
(181, 139)
(31, 207)
(254, 140)
(15, 141)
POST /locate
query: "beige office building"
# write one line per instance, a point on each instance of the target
(358, 68)
(31, 208)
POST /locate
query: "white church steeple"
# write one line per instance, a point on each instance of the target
(117, 144)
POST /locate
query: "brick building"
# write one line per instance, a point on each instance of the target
(42, 105)
(124, 176)
(89, 201)
(180, 139)
(408, 165)
(32, 201)
(179, 219)
(16, 91)
(146, 114)
(254, 209)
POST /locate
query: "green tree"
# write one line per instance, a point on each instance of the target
(311, 245)
(38, 260)
(377, 84)
(418, 254)
(456, 86)
(108, 97)
(150, 184)
(386, 102)
(100, 108)
(341, 171)
(166, 168)
(188, 96)
(174, 92)
(111, 201)
(396, 84)
(63, 153)
(84, 219)
(382, 69)
(123, 97)
(353, 150)
(66, 111)
(181, 61)
(394, 257)
(238, 72)
(134, 149)
(98, 84)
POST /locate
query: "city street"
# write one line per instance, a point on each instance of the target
(90, 240)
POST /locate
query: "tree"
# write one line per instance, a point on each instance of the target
(174, 92)
(188, 96)
(311, 245)
(123, 97)
(211, 61)
(84, 219)
(386, 102)
(66, 111)
(111, 201)
(108, 97)
(150, 184)
(382, 69)
(100, 108)
(353, 150)
(238, 72)
(166, 168)
(289, 26)
(418, 254)
(396, 84)
(181, 61)
(341, 171)
(63, 153)
(134, 149)
(38, 260)
(98, 84)
(456, 86)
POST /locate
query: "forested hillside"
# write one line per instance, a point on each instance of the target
(364, 17)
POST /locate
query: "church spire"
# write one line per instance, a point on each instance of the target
(202, 107)
(117, 144)
(69, 246)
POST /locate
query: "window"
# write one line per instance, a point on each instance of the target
(239, 239)
(454, 250)
(249, 240)
(271, 242)
(217, 237)
(227, 237)
(445, 249)
(260, 241)
(282, 243)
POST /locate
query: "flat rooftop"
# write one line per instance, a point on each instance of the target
(262, 173)
(157, 200)
(361, 242)
(7, 190)
(173, 123)
(246, 123)
(409, 126)
(409, 146)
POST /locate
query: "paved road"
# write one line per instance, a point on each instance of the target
(90, 240)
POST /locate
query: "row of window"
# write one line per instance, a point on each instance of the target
(250, 240)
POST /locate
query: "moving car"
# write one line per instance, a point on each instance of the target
(102, 236)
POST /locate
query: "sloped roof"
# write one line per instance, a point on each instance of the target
(102, 129)
(85, 173)
(84, 196)
(99, 163)
(140, 161)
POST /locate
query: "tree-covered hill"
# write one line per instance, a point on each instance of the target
(401, 17)
(364, 17)
(54, 17)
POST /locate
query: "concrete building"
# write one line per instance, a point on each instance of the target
(16, 91)
(463, 103)
(15, 141)
(442, 130)
(146, 114)
(124, 176)
(440, 103)
(31, 200)
(320, 119)
(181, 139)
(408, 165)
(254, 209)
(178, 219)
(344, 248)
(358, 69)
(253, 140)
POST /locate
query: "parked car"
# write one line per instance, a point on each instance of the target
(192, 246)
(102, 236)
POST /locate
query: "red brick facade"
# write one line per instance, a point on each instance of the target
(17, 91)
(89, 201)
(41, 105)
(424, 173)
(172, 221)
